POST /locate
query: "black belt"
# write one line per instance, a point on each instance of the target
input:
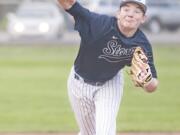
(77, 77)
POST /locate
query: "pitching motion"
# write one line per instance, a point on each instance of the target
(108, 44)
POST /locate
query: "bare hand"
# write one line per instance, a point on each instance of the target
(66, 4)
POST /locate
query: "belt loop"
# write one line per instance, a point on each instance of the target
(76, 76)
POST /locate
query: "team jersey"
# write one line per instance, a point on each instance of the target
(104, 50)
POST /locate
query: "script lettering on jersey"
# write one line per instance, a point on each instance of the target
(115, 52)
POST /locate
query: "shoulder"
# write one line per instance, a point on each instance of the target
(144, 42)
(142, 37)
(103, 20)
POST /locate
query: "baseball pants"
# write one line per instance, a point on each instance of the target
(95, 107)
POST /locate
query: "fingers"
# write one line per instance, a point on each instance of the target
(66, 4)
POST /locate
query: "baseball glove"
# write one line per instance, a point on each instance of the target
(140, 70)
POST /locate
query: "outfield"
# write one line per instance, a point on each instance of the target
(33, 95)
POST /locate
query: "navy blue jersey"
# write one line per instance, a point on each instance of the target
(104, 50)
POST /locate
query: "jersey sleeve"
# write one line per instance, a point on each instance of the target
(145, 44)
(90, 25)
(149, 53)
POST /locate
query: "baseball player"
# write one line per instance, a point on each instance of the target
(95, 84)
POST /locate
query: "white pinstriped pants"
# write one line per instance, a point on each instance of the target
(96, 107)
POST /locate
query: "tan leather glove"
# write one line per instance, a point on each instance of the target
(140, 70)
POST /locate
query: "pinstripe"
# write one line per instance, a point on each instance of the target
(112, 109)
(82, 112)
(95, 107)
(109, 118)
(113, 100)
(88, 119)
(87, 112)
(85, 129)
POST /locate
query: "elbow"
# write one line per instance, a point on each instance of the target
(151, 86)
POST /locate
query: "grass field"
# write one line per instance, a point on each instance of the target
(33, 95)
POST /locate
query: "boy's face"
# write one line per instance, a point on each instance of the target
(130, 16)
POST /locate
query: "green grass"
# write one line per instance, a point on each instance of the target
(33, 95)
(159, 111)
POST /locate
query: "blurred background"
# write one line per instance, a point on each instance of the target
(38, 46)
(43, 20)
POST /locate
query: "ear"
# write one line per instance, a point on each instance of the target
(118, 14)
(144, 19)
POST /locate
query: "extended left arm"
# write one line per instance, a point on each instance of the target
(140, 72)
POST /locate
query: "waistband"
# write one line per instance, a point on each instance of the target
(78, 77)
